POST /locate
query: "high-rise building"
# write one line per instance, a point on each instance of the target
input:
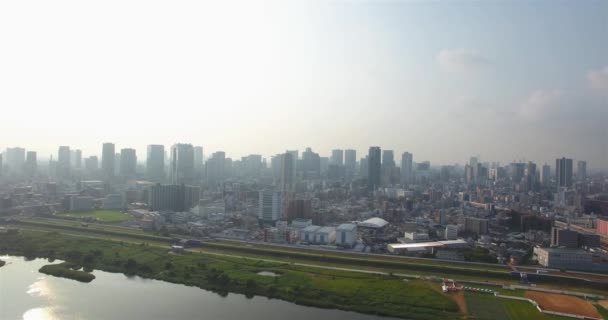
(517, 171)
(182, 163)
(14, 160)
(177, 198)
(31, 163)
(564, 238)
(198, 160)
(476, 225)
(388, 167)
(76, 158)
(270, 205)
(530, 175)
(107, 160)
(91, 165)
(337, 157)
(374, 168)
(350, 163)
(406, 168)
(287, 177)
(545, 175)
(311, 164)
(216, 167)
(563, 172)
(581, 170)
(63, 162)
(128, 163)
(155, 163)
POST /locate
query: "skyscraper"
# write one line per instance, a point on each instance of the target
(311, 164)
(216, 168)
(198, 160)
(337, 157)
(271, 204)
(107, 161)
(581, 170)
(545, 175)
(406, 168)
(128, 163)
(63, 162)
(374, 168)
(91, 165)
(155, 162)
(182, 163)
(563, 172)
(287, 177)
(350, 163)
(31, 163)
(530, 175)
(14, 160)
(76, 158)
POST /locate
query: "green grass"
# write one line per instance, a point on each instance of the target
(105, 216)
(374, 294)
(603, 311)
(65, 270)
(488, 307)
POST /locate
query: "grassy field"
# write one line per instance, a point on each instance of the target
(105, 216)
(483, 306)
(603, 311)
(374, 294)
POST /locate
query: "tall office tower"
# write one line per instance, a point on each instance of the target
(1, 164)
(311, 164)
(545, 175)
(287, 177)
(76, 158)
(198, 160)
(406, 168)
(581, 170)
(337, 157)
(350, 163)
(63, 162)
(364, 167)
(117, 164)
(182, 163)
(107, 161)
(374, 165)
(295, 154)
(473, 162)
(91, 165)
(271, 206)
(251, 165)
(216, 168)
(31, 163)
(155, 163)
(14, 160)
(388, 167)
(128, 163)
(517, 171)
(530, 175)
(563, 172)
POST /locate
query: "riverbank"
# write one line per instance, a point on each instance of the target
(365, 293)
(67, 270)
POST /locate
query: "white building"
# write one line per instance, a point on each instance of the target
(325, 235)
(308, 234)
(300, 223)
(271, 206)
(416, 236)
(346, 235)
(451, 232)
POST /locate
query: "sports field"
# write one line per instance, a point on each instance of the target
(483, 306)
(563, 303)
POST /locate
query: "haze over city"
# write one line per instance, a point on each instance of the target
(442, 80)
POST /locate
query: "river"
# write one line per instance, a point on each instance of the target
(27, 294)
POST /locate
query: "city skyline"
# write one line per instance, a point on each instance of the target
(442, 80)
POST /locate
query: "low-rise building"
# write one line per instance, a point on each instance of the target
(346, 235)
(325, 235)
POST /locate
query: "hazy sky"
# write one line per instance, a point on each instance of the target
(444, 80)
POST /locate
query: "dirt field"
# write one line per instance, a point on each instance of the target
(604, 303)
(458, 297)
(563, 303)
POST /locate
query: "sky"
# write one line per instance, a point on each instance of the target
(444, 80)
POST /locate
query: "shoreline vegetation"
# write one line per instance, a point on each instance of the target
(67, 270)
(350, 291)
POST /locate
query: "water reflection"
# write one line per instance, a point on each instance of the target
(46, 313)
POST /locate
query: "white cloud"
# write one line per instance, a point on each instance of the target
(461, 60)
(540, 103)
(598, 79)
